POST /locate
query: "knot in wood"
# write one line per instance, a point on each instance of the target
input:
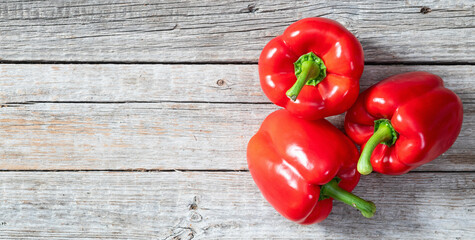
(195, 217)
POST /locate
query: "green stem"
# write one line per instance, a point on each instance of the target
(309, 70)
(383, 133)
(331, 189)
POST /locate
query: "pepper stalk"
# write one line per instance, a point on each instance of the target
(331, 189)
(309, 70)
(383, 133)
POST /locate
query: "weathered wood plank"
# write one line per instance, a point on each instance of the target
(204, 205)
(161, 135)
(188, 31)
(155, 136)
(204, 83)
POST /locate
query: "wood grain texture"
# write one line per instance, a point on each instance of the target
(195, 83)
(156, 117)
(155, 136)
(206, 205)
(226, 31)
(169, 136)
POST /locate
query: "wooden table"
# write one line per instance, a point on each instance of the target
(130, 119)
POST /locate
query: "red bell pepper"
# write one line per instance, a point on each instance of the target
(414, 117)
(300, 166)
(313, 69)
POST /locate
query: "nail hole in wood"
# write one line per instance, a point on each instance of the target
(193, 206)
(251, 8)
(220, 82)
(425, 10)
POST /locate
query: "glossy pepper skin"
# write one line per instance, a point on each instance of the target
(328, 82)
(292, 160)
(417, 120)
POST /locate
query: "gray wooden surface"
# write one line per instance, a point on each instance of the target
(224, 31)
(203, 205)
(130, 120)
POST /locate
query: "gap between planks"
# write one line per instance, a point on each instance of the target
(182, 170)
(132, 170)
(126, 102)
(227, 62)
